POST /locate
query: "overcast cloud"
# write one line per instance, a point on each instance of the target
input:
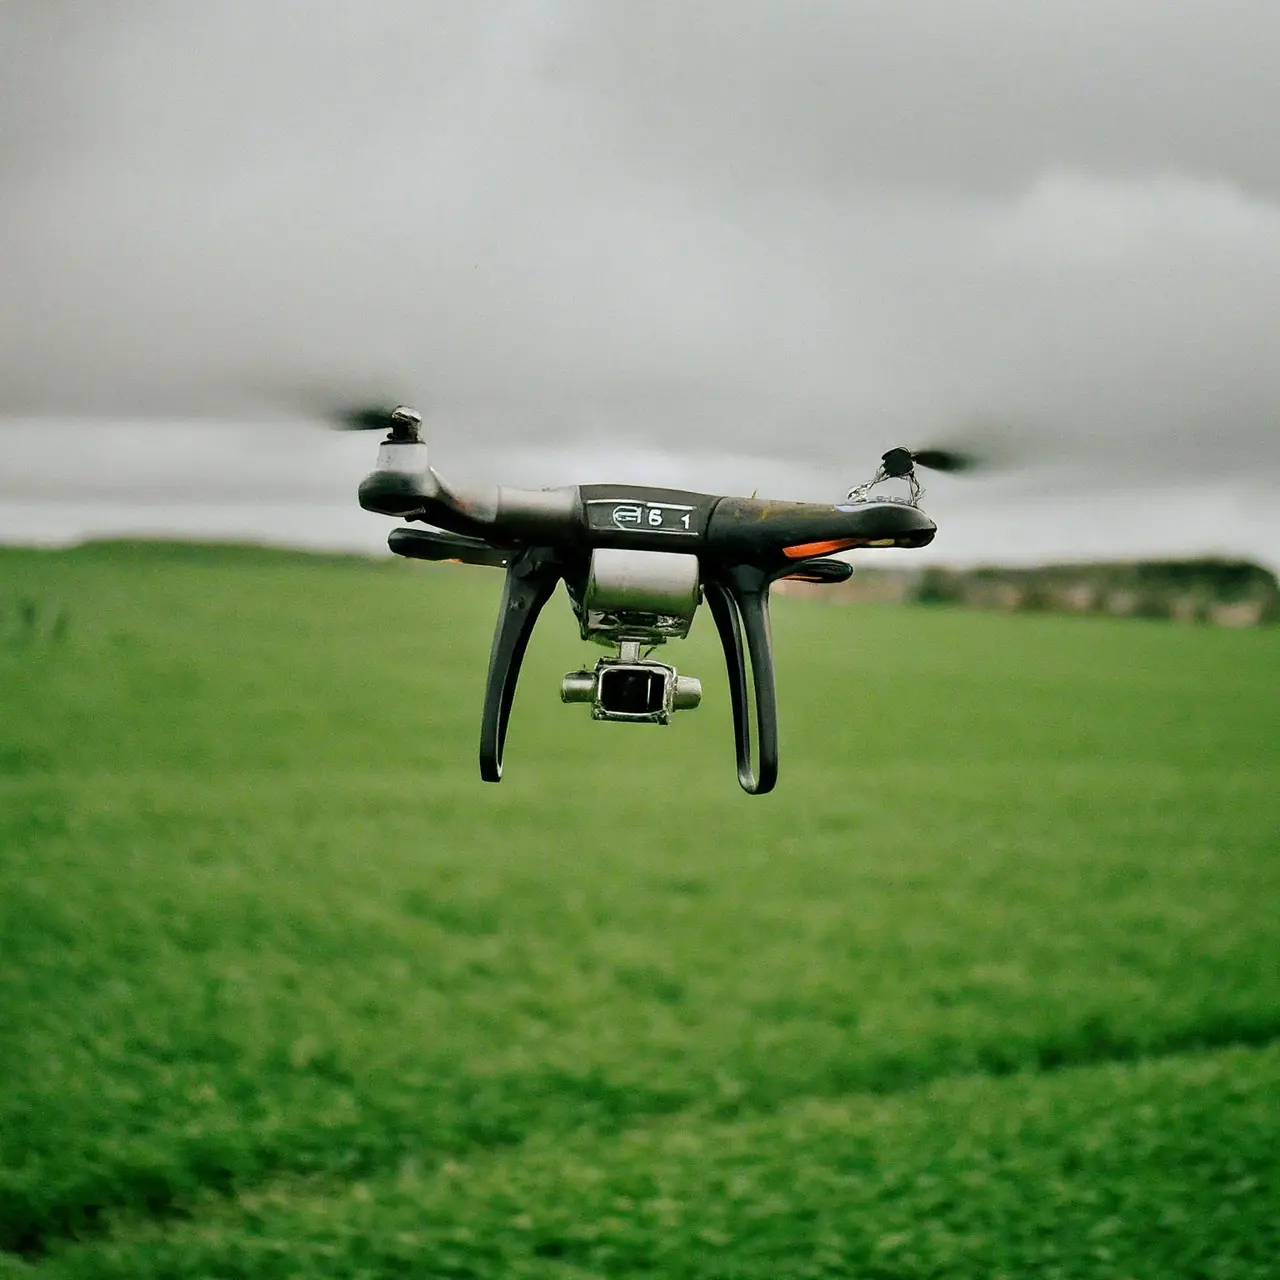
(733, 241)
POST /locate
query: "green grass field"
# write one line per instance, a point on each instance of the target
(988, 987)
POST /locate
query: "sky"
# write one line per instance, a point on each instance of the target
(735, 245)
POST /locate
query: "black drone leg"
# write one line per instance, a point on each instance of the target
(724, 610)
(740, 600)
(532, 576)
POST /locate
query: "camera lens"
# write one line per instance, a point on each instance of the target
(632, 691)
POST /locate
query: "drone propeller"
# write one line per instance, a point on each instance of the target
(366, 418)
(945, 459)
(900, 461)
(400, 422)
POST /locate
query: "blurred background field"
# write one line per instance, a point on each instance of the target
(988, 986)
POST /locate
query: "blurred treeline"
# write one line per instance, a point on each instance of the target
(1223, 592)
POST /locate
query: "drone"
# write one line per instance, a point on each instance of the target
(637, 561)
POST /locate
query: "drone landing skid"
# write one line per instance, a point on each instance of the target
(531, 580)
(739, 600)
(532, 577)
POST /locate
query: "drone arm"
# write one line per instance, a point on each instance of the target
(821, 572)
(532, 576)
(775, 534)
(430, 544)
(404, 485)
(739, 600)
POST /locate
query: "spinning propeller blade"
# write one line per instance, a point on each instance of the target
(399, 420)
(368, 418)
(945, 459)
(900, 461)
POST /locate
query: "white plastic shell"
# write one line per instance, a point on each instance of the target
(643, 582)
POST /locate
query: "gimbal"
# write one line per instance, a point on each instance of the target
(636, 562)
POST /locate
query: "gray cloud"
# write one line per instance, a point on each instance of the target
(793, 230)
(972, 96)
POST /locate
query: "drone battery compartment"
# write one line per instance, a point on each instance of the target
(649, 595)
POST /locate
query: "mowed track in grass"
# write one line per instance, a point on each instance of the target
(285, 989)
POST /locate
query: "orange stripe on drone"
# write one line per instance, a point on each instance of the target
(806, 549)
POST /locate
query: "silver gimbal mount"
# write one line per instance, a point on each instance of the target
(635, 600)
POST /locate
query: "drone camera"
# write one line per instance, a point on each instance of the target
(632, 692)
